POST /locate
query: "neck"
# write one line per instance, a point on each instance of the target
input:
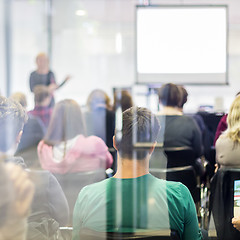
(167, 110)
(43, 70)
(131, 168)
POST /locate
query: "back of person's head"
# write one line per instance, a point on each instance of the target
(184, 96)
(98, 98)
(124, 99)
(139, 125)
(20, 97)
(66, 122)
(233, 121)
(170, 95)
(12, 119)
(41, 93)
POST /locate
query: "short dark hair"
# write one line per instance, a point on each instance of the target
(41, 92)
(170, 95)
(125, 100)
(12, 119)
(184, 96)
(144, 124)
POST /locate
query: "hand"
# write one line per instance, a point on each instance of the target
(67, 78)
(236, 223)
(23, 189)
(52, 87)
(216, 168)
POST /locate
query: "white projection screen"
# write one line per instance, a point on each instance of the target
(182, 44)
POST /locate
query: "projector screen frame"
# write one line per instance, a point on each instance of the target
(225, 83)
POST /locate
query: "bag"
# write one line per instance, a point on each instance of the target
(46, 229)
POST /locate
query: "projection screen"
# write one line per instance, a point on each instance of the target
(182, 44)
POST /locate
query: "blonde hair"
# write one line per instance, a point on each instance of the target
(233, 121)
(19, 97)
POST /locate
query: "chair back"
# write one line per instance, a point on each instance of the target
(87, 234)
(180, 156)
(222, 202)
(72, 183)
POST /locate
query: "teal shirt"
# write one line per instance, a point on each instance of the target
(134, 204)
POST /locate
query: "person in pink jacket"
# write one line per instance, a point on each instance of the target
(66, 149)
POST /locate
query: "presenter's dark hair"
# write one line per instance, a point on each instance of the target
(139, 125)
(170, 95)
(12, 119)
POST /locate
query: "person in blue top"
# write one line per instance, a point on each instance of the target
(133, 200)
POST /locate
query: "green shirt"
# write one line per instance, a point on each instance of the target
(134, 204)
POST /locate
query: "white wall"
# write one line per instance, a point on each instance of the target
(98, 49)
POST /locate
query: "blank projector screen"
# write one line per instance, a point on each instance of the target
(181, 44)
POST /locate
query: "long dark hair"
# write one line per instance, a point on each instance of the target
(66, 122)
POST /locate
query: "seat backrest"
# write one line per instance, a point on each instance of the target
(72, 183)
(180, 156)
(87, 234)
(222, 202)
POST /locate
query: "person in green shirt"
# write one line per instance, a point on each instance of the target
(133, 200)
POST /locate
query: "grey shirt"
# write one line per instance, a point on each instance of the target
(41, 79)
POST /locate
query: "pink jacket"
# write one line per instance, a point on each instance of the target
(86, 154)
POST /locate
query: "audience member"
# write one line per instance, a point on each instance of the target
(20, 98)
(42, 99)
(16, 197)
(206, 136)
(228, 144)
(44, 76)
(49, 200)
(99, 116)
(123, 99)
(133, 199)
(65, 147)
(177, 129)
(33, 133)
(222, 126)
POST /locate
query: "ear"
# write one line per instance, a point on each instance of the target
(19, 137)
(114, 143)
(152, 148)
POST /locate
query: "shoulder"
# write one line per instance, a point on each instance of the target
(223, 140)
(188, 119)
(92, 141)
(42, 146)
(93, 190)
(176, 188)
(33, 73)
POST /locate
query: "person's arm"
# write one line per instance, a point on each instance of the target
(59, 209)
(31, 82)
(191, 229)
(63, 82)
